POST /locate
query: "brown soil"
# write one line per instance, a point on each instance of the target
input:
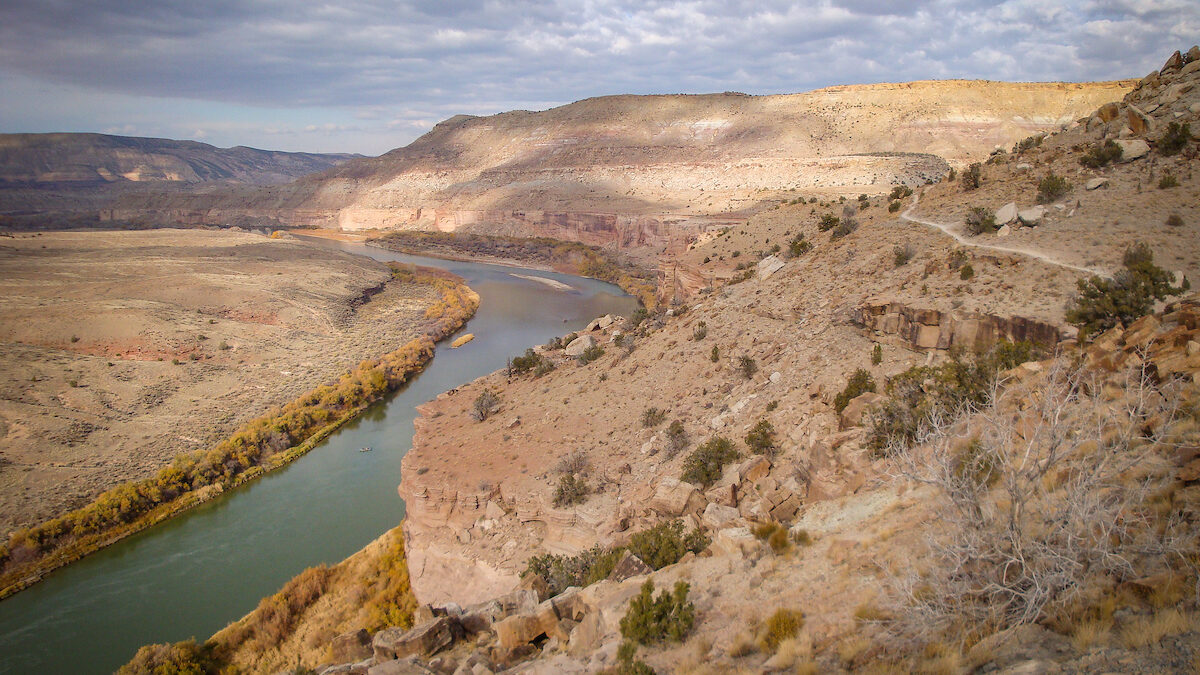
(121, 350)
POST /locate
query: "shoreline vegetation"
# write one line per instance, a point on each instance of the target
(570, 257)
(258, 447)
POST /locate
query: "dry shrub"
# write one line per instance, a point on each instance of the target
(783, 625)
(1034, 521)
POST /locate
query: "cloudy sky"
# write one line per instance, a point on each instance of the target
(370, 75)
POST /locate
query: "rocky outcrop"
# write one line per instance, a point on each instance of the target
(934, 329)
(1170, 94)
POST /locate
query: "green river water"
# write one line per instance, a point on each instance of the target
(192, 575)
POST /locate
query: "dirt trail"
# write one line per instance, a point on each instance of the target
(950, 229)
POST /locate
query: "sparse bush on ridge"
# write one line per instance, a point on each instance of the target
(1102, 154)
(747, 366)
(980, 220)
(658, 546)
(828, 222)
(1102, 303)
(530, 361)
(651, 620)
(1174, 139)
(859, 383)
(923, 394)
(1028, 143)
(591, 354)
(706, 463)
(676, 438)
(902, 254)
(652, 417)
(1168, 181)
(576, 462)
(971, 176)
(843, 229)
(1052, 188)
(798, 246)
(484, 405)
(570, 491)
(761, 438)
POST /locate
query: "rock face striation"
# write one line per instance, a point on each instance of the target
(934, 329)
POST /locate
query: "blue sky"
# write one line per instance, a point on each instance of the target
(371, 75)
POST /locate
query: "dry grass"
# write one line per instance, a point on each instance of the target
(1148, 630)
(792, 651)
(851, 649)
(1091, 632)
(743, 645)
(869, 612)
(939, 658)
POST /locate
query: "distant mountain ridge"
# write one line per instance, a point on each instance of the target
(87, 159)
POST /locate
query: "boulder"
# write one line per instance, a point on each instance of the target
(1032, 215)
(519, 630)
(569, 605)
(768, 266)
(755, 468)
(606, 321)
(351, 646)
(1096, 183)
(852, 414)
(480, 616)
(1108, 112)
(674, 498)
(716, 516)
(1173, 63)
(579, 345)
(1193, 55)
(1138, 121)
(1004, 231)
(586, 636)
(535, 583)
(427, 639)
(733, 540)
(1132, 149)
(1006, 214)
(631, 566)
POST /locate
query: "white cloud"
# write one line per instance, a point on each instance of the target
(353, 65)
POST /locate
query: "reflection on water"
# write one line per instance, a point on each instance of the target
(194, 574)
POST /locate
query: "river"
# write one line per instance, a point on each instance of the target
(194, 574)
